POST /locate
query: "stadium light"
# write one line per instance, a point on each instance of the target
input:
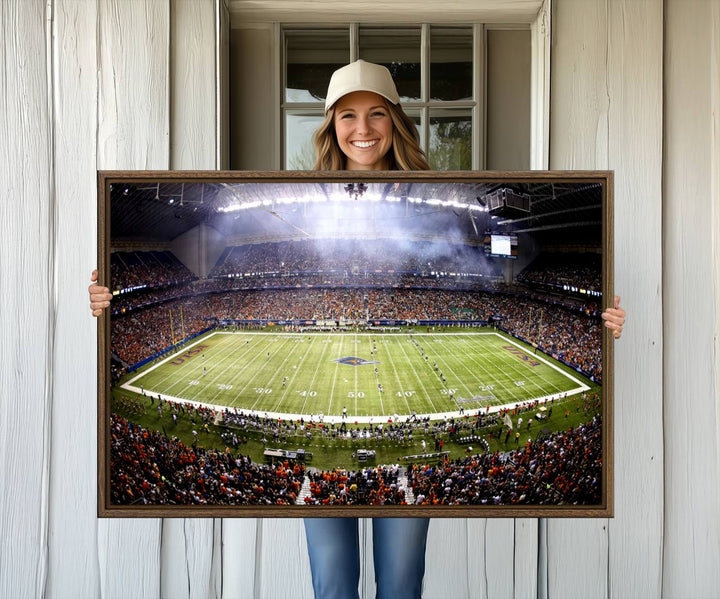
(352, 194)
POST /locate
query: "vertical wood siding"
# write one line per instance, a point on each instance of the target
(27, 317)
(607, 113)
(120, 84)
(73, 525)
(133, 133)
(692, 399)
(635, 87)
(190, 567)
(579, 101)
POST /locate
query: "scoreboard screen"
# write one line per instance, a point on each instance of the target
(501, 246)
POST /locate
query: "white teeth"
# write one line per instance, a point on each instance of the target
(364, 144)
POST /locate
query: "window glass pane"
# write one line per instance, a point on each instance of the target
(451, 56)
(299, 150)
(311, 57)
(399, 50)
(415, 117)
(450, 145)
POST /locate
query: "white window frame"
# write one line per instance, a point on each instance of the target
(535, 14)
(423, 107)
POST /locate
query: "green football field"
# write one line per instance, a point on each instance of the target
(370, 374)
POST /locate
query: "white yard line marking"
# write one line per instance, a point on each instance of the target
(335, 374)
(545, 361)
(419, 379)
(361, 419)
(397, 376)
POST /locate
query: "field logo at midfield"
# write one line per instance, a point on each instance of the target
(521, 354)
(353, 361)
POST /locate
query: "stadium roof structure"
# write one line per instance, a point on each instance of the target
(160, 212)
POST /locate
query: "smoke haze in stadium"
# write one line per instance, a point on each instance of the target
(162, 211)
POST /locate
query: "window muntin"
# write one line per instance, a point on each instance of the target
(434, 68)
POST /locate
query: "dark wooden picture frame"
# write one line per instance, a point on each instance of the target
(212, 268)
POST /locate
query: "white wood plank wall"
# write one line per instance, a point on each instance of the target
(27, 316)
(133, 133)
(133, 84)
(191, 555)
(606, 112)
(691, 326)
(74, 568)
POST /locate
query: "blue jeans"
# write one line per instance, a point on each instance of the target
(398, 551)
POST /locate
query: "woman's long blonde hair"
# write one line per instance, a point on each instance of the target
(404, 155)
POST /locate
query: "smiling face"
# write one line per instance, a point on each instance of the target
(364, 130)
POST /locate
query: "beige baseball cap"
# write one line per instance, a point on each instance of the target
(361, 76)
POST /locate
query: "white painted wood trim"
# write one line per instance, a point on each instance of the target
(607, 113)
(133, 133)
(479, 142)
(27, 315)
(277, 99)
(691, 401)
(189, 565)
(384, 11)
(222, 88)
(447, 559)
(239, 558)
(715, 192)
(193, 84)
(282, 565)
(73, 526)
(635, 139)
(480, 90)
(540, 89)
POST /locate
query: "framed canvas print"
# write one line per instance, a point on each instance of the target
(285, 344)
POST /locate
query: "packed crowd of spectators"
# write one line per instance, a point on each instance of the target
(150, 320)
(154, 269)
(350, 304)
(369, 486)
(570, 335)
(147, 297)
(149, 467)
(354, 255)
(565, 334)
(345, 278)
(141, 334)
(562, 469)
(582, 271)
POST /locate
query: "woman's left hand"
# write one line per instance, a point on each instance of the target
(615, 318)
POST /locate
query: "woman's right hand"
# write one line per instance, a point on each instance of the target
(99, 296)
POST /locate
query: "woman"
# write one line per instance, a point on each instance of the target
(365, 129)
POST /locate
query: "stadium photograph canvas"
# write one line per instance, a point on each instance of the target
(286, 344)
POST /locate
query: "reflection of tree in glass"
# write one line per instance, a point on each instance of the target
(450, 145)
(303, 159)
